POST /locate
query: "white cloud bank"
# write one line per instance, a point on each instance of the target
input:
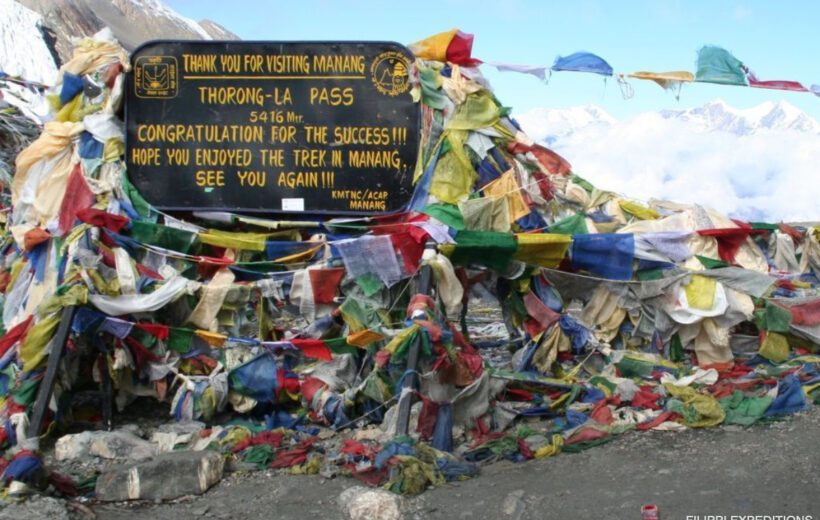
(769, 174)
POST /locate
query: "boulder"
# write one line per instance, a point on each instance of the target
(169, 435)
(361, 503)
(166, 476)
(108, 445)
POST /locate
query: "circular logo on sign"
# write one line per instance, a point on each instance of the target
(390, 73)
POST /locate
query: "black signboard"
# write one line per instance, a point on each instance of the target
(313, 127)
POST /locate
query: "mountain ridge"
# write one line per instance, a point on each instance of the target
(133, 22)
(551, 125)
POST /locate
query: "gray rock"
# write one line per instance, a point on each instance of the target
(36, 508)
(167, 476)
(73, 446)
(361, 503)
(181, 428)
(108, 445)
(513, 504)
(169, 435)
(121, 445)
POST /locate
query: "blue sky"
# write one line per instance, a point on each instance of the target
(774, 39)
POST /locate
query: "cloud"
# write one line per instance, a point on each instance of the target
(770, 175)
(741, 13)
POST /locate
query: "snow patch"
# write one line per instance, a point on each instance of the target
(156, 7)
(23, 52)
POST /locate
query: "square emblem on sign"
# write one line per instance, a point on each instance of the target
(156, 77)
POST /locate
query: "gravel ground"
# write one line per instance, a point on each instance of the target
(762, 470)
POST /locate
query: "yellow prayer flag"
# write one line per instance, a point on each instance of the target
(543, 249)
(213, 339)
(434, 47)
(364, 338)
(774, 347)
(302, 256)
(700, 292)
(247, 241)
(665, 79)
(638, 210)
(507, 186)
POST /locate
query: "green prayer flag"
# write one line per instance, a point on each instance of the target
(261, 455)
(369, 283)
(742, 409)
(179, 339)
(572, 225)
(711, 263)
(165, 237)
(765, 225)
(716, 65)
(359, 315)
(650, 274)
(341, 346)
(488, 248)
(600, 381)
(140, 204)
(431, 93)
(676, 349)
(773, 318)
(448, 214)
(26, 393)
(630, 367)
(582, 183)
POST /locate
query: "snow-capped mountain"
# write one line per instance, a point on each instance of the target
(548, 125)
(717, 115)
(551, 125)
(132, 22)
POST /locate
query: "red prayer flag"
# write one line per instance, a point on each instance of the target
(313, 348)
(161, 332)
(460, 49)
(794, 86)
(14, 335)
(806, 313)
(729, 240)
(662, 418)
(140, 353)
(100, 218)
(325, 283)
(294, 457)
(796, 235)
(554, 163)
(540, 312)
(544, 185)
(427, 418)
(78, 196)
(585, 434)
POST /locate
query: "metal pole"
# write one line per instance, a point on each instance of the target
(410, 380)
(47, 384)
